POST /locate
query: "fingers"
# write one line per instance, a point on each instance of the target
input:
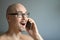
(31, 20)
(34, 26)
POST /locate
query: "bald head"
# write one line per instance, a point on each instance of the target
(15, 8)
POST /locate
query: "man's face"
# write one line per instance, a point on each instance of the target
(22, 19)
(19, 17)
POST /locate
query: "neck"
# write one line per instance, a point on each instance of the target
(12, 30)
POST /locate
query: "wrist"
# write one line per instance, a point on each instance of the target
(38, 37)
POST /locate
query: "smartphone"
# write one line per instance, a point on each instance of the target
(28, 25)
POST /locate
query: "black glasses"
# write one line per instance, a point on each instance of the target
(19, 15)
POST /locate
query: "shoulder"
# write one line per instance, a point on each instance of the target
(3, 37)
(26, 37)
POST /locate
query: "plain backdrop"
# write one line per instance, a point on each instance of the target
(46, 13)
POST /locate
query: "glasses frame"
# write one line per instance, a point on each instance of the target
(19, 14)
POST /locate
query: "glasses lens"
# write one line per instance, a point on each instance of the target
(25, 15)
(20, 14)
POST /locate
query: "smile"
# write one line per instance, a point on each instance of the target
(23, 24)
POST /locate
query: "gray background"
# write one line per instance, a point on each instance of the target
(46, 13)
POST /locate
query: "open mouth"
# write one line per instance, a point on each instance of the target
(23, 24)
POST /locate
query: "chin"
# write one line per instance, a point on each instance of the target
(22, 27)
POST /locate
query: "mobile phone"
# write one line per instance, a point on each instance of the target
(28, 25)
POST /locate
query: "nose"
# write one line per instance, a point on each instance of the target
(23, 17)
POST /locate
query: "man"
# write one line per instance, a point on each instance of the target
(18, 20)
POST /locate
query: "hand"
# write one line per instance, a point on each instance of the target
(33, 31)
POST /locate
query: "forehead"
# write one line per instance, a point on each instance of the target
(16, 8)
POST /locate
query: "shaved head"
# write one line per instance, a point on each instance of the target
(15, 8)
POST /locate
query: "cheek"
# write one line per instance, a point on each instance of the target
(26, 19)
(18, 19)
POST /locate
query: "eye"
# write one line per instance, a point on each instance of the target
(19, 16)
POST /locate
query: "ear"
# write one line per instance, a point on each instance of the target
(8, 18)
